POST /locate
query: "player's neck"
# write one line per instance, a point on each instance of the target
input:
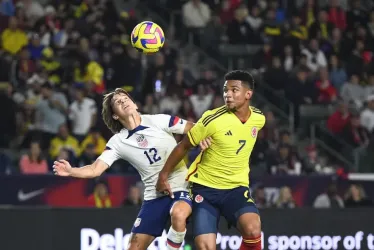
(132, 121)
(243, 113)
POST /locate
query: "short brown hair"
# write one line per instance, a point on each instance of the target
(107, 113)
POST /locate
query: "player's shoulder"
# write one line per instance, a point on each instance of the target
(257, 116)
(212, 115)
(115, 141)
(256, 112)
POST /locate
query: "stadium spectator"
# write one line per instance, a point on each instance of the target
(88, 155)
(285, 199)
(9, 108)
(370, 25)
(284, 162)
(170, 104)
(134, 197)
(338, 75)
(196, 15)
(50, 112)
(33, 162)
(369, 89)
(22, 68)
(152, 107)
(367, 115)
(35, 47)
(201, 101)
(95, 138)
(260, 197)
(321, 28)
(356, 197)
(315, 57)
(255, 21)
(82, 113)
(13, 39)
(186, 110)
(100, 198)
(239, 30)
(289, 60)
(337, 15)
(329, 199)
(339, 119)
(275, 75)
(34, 10)
(327, 92)
(63, 140)
(312, 161)
(7, 7)
(354, 133)
(353, 92)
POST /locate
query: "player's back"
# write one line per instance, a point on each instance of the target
(147, 148)
(225, 164)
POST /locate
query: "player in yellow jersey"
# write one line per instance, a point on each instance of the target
(219, 176)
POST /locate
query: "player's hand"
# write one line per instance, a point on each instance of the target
(204, 144)
(62, 168)
(163, 187)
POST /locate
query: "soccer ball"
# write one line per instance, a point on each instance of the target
(147, 37)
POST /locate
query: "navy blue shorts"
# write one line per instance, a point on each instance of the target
(209, 204)
(154, 214)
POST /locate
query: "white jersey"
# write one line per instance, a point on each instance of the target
(147, 148)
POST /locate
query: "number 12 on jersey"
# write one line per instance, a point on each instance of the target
(242, 144)
(152, 155)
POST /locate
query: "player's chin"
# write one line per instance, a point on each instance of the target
(230, 105)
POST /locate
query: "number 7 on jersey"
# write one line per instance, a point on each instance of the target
(242, 144)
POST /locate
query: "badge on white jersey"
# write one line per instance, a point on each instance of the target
(142, 141)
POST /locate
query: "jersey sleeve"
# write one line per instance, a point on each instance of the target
(171, 124)
(200, 131)
(110, 154)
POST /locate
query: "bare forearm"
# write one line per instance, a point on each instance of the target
(175, 157)
(85, 172)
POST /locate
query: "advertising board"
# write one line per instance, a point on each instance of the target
(109, 229)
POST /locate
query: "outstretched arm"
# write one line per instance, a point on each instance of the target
(63, 168)
(102, 163)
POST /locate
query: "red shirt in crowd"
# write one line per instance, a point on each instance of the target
(327, 92)
(337, 121)
(337, 17)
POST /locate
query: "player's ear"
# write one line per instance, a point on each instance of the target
(248, 94)
(115, 117)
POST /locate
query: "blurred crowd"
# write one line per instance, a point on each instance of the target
(59, 58)
(353, 197)
(310, 52)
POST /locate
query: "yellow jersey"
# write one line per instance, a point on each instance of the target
(225, 164)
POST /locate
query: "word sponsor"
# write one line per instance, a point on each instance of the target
(92, 240)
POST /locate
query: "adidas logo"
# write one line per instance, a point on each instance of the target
(228, 133)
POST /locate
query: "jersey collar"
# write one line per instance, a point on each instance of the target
(138, 128)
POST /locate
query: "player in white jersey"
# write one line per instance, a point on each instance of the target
(146, 142)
